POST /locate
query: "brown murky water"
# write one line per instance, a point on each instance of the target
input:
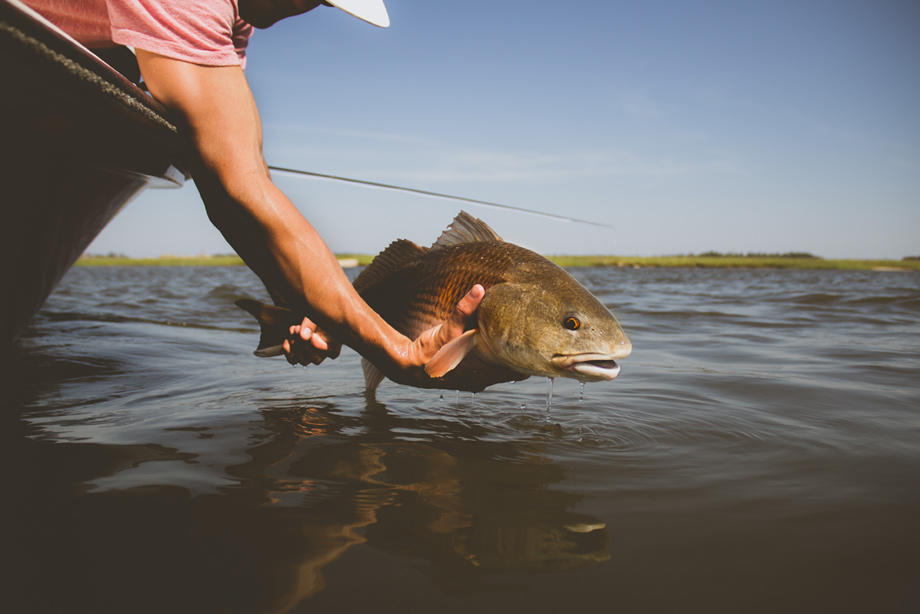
(760, 452)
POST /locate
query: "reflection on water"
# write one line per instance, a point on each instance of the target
(760, 453)
(316, 483)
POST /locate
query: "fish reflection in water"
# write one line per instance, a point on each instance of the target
(466, 507)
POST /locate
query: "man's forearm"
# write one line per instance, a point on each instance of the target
(295, 264)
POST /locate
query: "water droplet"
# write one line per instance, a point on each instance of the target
(549, 397)
(523, 406)
(581, 395)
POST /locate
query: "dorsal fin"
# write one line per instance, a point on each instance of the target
(466, 229)
(394, 257)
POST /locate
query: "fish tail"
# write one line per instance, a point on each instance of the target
(275, 323)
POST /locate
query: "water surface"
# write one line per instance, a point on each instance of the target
(760, 452)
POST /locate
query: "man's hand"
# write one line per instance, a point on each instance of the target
(423, 349)
(309, 345)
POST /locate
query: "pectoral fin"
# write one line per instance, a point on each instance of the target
(451, 353)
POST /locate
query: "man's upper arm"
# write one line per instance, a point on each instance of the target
(216, 104)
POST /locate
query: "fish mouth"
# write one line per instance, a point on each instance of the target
(588, 367)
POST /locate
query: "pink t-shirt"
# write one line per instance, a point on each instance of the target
(208, 32)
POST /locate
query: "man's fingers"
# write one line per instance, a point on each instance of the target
(319, 341)
(289, 352)
(306, 328)
(469, 303)
(308, 345)
(465, 308)
(308, 331)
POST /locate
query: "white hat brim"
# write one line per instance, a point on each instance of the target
(371, 11)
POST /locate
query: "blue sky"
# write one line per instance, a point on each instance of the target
(688, 126)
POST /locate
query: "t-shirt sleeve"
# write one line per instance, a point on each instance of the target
(206, 32)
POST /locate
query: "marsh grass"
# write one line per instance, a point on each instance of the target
(736, 261)
(729, 261)
(222, 260)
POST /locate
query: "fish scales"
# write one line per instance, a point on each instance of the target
(425, 292)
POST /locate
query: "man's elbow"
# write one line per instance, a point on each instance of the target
(245, 183)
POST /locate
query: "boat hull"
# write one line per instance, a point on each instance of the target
(79, 141)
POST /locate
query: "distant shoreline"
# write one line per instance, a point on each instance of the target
(751, 262)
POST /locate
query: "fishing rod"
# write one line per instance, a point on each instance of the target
(474, 201)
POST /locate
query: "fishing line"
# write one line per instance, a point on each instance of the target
(474, 201)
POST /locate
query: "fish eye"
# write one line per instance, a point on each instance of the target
(572, 323)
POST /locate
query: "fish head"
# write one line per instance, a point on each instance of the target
(551, 327)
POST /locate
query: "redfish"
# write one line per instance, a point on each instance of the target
(535, 318)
